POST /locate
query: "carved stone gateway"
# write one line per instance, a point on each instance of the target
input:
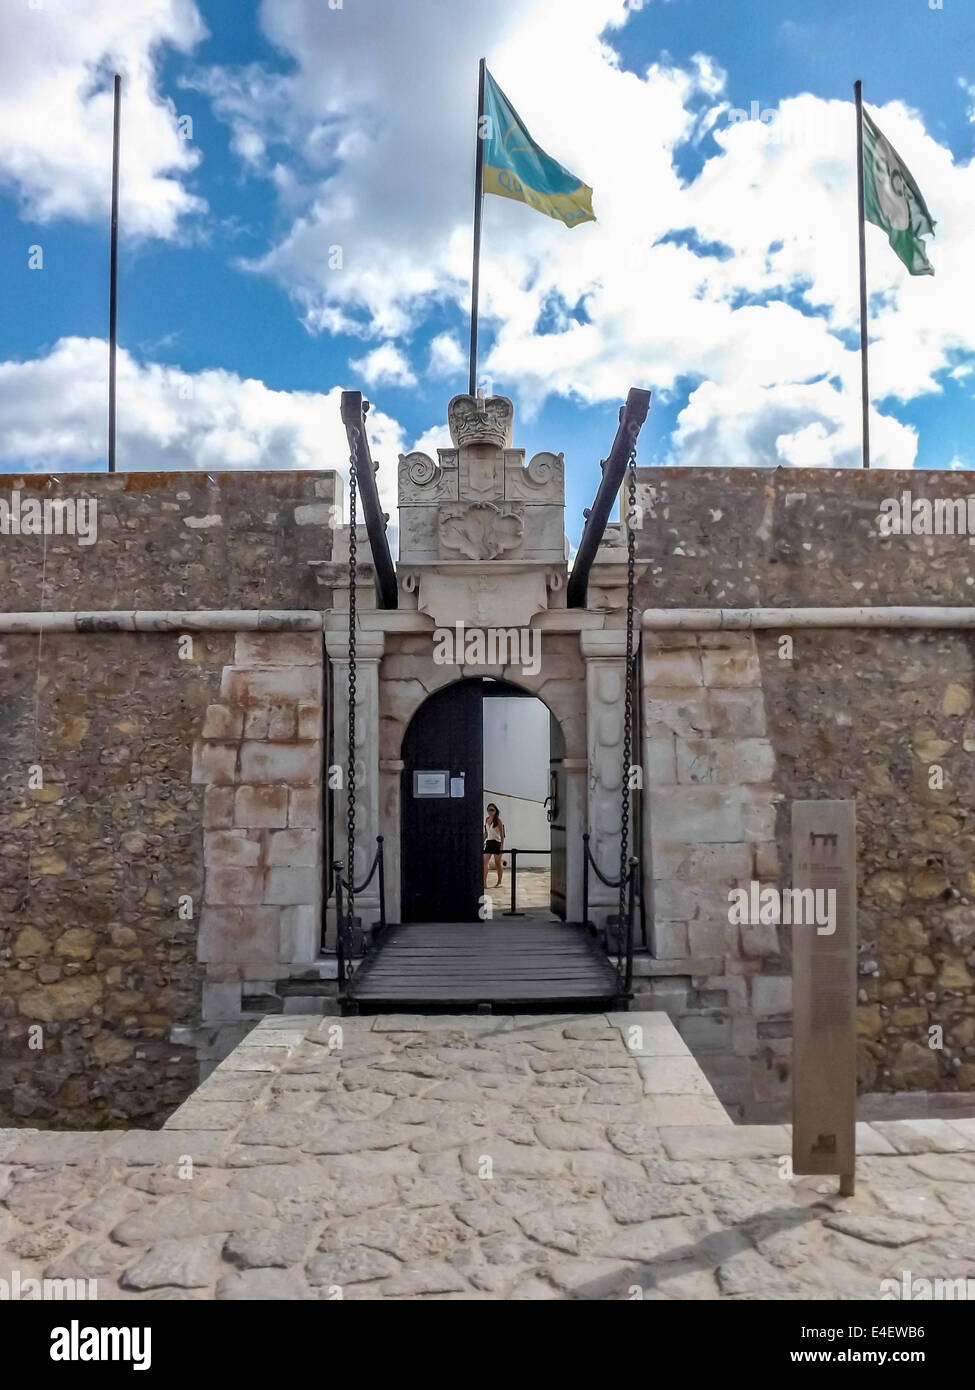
(479, 501)
(824, 948)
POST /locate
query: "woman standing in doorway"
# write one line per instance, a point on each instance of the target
(493, 842)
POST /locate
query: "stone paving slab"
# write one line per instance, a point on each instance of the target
(526, 1157)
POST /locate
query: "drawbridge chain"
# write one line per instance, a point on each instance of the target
(350, 770)
(625, 868)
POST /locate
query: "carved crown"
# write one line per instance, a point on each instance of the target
(480, 420)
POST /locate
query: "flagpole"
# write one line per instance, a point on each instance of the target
(113, 280)
(864, 343)
(478, 209)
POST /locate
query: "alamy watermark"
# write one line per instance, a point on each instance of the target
(912, 1289)
(907, 515)
(802, 907)
(18, 1290)
(50, 516)
(488, 646)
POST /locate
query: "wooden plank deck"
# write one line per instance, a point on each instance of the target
(431, 966)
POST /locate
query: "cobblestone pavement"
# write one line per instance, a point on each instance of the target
(476, 1158)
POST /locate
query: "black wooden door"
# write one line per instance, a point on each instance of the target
(443, 835)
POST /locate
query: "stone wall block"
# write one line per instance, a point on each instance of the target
(257, 807)
(729, 669)
(224, 849)
(297, 764)
(304, 808)
(241, 937)
(701, 815)
(234, 887)
(272, 685)
(223, 722)
(214, 763)
(292, 886)
(729, 864)
(659, 762)
(293, 848)
(737, 713)
(676, 710)
(771, 994)
(282, 723)
(300, 934)
(278, 649)
(669, 940)
(218, 807)
(672, 669)
(311, 721)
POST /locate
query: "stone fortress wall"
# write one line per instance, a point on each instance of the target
(160, 821)
(737, 724)
(164, 778)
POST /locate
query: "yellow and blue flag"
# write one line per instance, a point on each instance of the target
(515, 167)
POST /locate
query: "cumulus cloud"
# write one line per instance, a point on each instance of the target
(741, 280)
(385, 365)
(53, 416)
(56, 67)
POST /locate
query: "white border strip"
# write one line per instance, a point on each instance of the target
(200, 620)
(713, 619)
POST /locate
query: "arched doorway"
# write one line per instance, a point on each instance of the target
(444, 784)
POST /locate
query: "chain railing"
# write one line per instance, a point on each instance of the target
(618, 931)
(351, 942)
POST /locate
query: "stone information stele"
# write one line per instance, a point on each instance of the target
(824, 949)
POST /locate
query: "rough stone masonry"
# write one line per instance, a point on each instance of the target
(162, 813)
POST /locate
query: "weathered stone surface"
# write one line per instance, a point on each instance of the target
(352, 1266)
(631, 1202)
(187, 1263)
(276, 1248)
(179, 1217)
(261, 1285)
(874, 1229)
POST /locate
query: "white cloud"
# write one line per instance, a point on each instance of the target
(384, 366)
(797, 426)
(56, 66)
(53, 414)
(382, 167)
(447, 358)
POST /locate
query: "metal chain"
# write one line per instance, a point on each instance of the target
(350, 778)
(628, 691)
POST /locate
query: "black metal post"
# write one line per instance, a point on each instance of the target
(113, 278)
(864, 336)
(513, 909)
(382, 882)
(585, 879)
(478, 210)
(628, 977)
(339, 933)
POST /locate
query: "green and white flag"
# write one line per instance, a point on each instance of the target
(892, 200)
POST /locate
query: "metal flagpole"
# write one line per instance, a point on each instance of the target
(113, 281)
(478, 208)
(864, 367)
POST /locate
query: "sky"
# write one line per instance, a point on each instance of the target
(295, 220)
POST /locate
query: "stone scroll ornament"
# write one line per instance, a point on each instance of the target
(481, 531)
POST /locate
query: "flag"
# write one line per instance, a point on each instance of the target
(515, 167)
(892, 200)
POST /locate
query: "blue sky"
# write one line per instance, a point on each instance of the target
(721, 273)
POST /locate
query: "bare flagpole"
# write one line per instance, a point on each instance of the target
(113, 280)
(864, 344)
(478, 209)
